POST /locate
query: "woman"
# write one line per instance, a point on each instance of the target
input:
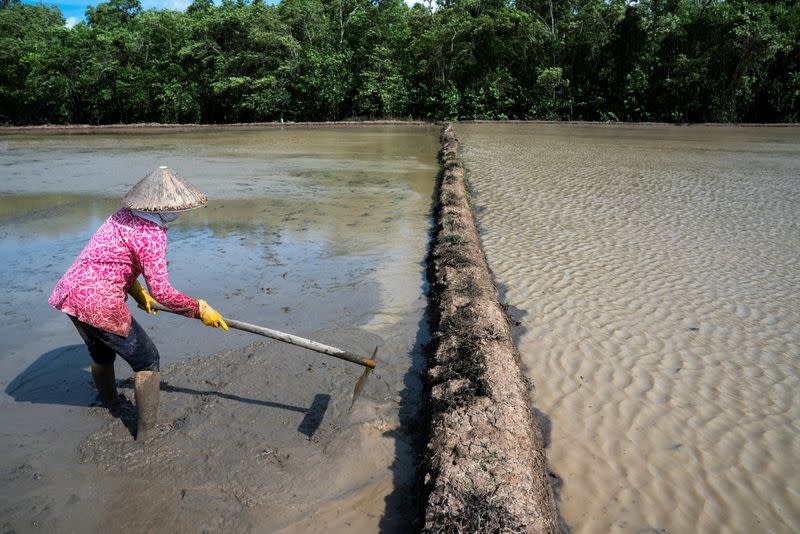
(92, 293)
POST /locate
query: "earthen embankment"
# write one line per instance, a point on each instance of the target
(486, 465)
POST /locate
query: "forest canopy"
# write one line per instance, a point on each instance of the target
(309, 60)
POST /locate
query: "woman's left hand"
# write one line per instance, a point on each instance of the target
(142, 297)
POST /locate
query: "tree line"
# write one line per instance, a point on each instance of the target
(309, 60)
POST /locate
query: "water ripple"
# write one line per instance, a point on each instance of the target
(658, 269)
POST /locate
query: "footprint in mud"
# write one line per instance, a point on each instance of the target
(22, 472)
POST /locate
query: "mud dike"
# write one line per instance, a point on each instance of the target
(486, 465)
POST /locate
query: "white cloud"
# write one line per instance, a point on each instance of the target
(426, 3)
(71, 21)
(175, 5)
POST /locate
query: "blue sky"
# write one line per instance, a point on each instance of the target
(73, 10)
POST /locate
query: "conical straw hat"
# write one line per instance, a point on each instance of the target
(164, 190)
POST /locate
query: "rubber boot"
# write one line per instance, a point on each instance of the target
(106, 383)
(146, 388)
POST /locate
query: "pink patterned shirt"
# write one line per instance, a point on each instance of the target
(94, 288)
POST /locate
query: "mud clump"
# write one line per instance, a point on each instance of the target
(486, 469)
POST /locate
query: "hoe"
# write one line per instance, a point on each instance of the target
(369, 363)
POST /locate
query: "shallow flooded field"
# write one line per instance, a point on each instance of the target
(654, 272)
(320, 232)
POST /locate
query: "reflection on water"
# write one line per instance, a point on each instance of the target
(658, 269)
(369, 211)
(222, 163)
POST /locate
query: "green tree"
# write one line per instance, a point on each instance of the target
(30, 38)
(244, 60)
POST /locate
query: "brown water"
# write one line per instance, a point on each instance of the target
(655, 274)
(320, 232)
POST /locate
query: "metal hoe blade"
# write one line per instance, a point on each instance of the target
(362, 379)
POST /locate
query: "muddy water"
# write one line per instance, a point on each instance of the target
(316, 231)
(655, 275)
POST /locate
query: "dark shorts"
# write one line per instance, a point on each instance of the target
(137, 349)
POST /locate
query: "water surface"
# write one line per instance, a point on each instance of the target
(314, 231)
(655, 274)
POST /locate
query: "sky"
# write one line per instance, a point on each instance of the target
(73, 10)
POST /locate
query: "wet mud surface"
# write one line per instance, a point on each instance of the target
(246, 432)
(319, 233)
(255, 439)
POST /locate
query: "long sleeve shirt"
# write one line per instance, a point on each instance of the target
(94, 288)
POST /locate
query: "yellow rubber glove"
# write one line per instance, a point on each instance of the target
(210, 316)
(141, 296)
